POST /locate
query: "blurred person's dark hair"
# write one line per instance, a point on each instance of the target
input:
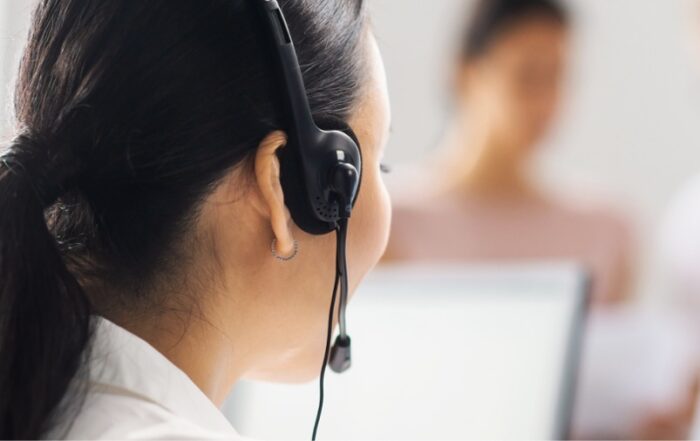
(493, 17)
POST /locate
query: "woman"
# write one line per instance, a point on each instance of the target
(149, 137)
(484, 199)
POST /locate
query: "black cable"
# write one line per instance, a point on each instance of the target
(340, 248)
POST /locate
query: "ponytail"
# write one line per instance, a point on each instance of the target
(44, 314)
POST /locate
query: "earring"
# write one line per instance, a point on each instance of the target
(273, 248)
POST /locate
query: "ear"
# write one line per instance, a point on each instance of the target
(267, 176)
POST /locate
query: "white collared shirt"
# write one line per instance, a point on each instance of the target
(134, 392)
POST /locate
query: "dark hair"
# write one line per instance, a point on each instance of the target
(492, 17)
(130, 113)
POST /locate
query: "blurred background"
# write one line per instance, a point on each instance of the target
(623, 149)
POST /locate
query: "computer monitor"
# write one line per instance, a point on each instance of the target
(442, 352)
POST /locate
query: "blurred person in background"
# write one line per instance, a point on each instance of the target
(484, 205)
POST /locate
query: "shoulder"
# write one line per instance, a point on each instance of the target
(420, 215)
(598, 215)
(137, 419)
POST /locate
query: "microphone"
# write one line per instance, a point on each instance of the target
(341, 355)
(344, 183)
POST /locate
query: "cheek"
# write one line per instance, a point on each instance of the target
(536, 115)
(369, 226)
(520, 116)
(503, 104)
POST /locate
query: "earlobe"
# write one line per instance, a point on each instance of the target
(267, 175)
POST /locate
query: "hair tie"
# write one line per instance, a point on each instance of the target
(41, 165)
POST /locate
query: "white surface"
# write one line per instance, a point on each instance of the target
(637, 362)
(680, 245)
(448, 354)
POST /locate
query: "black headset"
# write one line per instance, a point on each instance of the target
(320, 171)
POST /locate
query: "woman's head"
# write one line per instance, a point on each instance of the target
(512, 62)
(149, 132)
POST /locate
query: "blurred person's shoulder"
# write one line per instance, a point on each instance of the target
(416, 193)
(419, 212)
(598, 215)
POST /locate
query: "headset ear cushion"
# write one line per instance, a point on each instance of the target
(296, 193)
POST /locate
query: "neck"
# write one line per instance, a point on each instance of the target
(484, 166)
(196, 345)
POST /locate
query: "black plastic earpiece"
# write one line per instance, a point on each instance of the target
(309, 176)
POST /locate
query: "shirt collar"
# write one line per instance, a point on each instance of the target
(124, 361)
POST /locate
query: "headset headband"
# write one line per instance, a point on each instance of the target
(290, 72)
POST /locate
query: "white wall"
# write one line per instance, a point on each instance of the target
(14, 17)
(632, 126)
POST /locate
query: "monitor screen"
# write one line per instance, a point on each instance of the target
(441, 353)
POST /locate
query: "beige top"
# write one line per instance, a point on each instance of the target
(465, 229)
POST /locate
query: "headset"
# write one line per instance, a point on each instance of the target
(320, 172)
